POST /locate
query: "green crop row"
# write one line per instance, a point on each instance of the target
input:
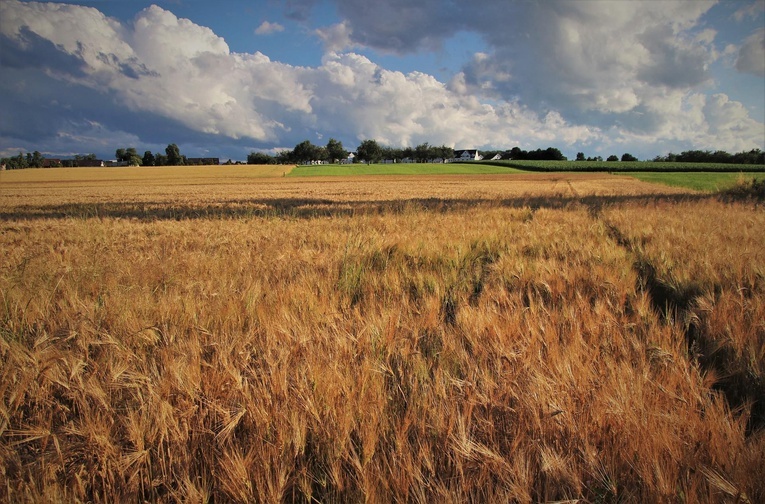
(622, 166)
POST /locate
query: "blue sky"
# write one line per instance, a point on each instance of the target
(230, 77)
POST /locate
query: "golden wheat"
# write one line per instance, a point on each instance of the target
(488, 350)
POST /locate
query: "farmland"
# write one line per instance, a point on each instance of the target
(233, 335)
(626, 166)
(699, 181)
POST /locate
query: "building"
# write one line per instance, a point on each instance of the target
(467, 155)
(51, 163)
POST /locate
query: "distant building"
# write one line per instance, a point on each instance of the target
(51, 163)
(115, 164)
(467, 155)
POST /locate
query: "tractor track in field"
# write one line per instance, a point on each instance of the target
(678, 304)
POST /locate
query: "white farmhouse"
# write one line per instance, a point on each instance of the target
(467, 155)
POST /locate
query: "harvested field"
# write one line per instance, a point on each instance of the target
(520, 338)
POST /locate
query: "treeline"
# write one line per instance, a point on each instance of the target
(30, 160)
(305, 152)
(754, 156)
(369, 151)
(171, 157)
(125, 156)
(548, 154)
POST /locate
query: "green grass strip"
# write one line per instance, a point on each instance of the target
(626, 166)
(699, 181)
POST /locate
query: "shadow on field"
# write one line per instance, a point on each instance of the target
(711, 352)
(306, 208)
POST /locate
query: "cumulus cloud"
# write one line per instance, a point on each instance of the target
(567, 74)
(336, 38)
(751, 56)
(186, 74)
(408, 109)
(267, 28)
(632, 69)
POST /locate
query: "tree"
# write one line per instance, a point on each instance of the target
(260, 158)
(305, 152)
(284, 157)
(322, 154)
(628, 157)
(129, 156)
(335, 151)
(174, 157)
(148, 159)
(423, 152)
(369, 151)
(612, 158)
(160, 159)
(35, 160)
(580, 156)
(445, 152)
(16, 162)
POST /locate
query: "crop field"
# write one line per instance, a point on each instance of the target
(221, 337)
(625, 166)
(699, 181)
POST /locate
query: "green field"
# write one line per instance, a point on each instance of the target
(699, 181)
(625, 166)
(399, 169)
(697, 176)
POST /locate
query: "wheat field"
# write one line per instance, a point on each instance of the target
(579, 338)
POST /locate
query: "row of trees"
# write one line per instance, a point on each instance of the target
(625, 157)
(171, 157)
(754, 156)
(303, 153)
(369, 151)
(30, 160)
(37, 160)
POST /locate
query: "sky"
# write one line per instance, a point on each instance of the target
(226, 78)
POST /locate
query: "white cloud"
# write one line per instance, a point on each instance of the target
(267, 28)
(561, 73)
(189, 75)
(751, 56)
(631, 70)
(407, 109)
(337, 38)
(753, 10)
